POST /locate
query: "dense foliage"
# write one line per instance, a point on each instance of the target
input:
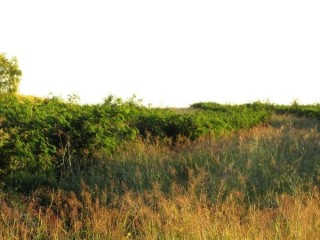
(299, 110)
(50, 137)
(210, 119)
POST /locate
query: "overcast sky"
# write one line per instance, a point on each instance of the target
(168, 52)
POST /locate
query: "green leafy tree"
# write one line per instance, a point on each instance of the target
(10, 74)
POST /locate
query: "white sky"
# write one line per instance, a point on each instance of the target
(167, 52)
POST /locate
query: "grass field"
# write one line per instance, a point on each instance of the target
(261, 183)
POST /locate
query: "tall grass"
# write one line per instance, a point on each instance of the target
(153, 215)
(262, 183)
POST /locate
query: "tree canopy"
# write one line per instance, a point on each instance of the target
(10, 74)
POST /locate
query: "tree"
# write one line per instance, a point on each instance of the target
(10, 74)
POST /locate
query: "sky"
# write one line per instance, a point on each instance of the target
(169, 53)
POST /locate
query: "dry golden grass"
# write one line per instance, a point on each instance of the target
(151, 215)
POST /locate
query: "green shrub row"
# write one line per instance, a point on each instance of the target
(49, 137)
(311, 110)
(167, 123)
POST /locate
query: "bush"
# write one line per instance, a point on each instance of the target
(50, 136)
